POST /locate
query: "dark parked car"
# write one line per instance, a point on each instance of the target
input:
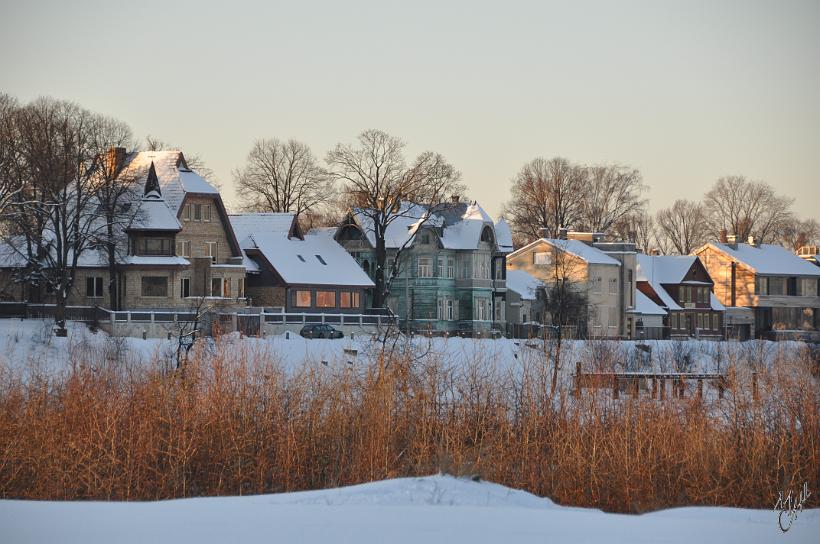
(320, 331)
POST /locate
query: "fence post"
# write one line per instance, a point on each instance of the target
(615, 392)
(755, 394)
(662, 387)
(577, 388)
(700, 389)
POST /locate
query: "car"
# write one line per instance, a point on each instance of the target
(320, 330)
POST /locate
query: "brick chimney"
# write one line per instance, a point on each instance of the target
(116, 159)
(731, 241)
(562, 233)
(544, 232)
(751, 241)
(724, 236)
(454, 199)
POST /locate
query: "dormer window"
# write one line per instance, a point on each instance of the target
(321, 260)
(301, 258)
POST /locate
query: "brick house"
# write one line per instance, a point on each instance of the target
(768, 291)
(177, 248)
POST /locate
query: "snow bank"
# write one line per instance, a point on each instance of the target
(431, 509)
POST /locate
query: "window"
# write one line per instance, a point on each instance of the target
(155, 286)
(451, 267)
(541, 258)
(186, 213)
(226, 288)
(325, 299)
(673, 321)
(761, 286)
(715, 322)
(440, 269)
(700, 321)
(94, 287)
(344, 299)
(425, 267)
(216, 287)
(207, 215)
(154, 246)
(211, 250)
(450, 314)
(240, 287)
(185, 287)
(197, 212)
(596, 284)
(480, 308)
(321, 260)
(425, 238)
(184, 248)
(613, 286)
(302, 299)
(439, 308)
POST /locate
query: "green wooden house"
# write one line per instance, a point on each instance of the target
(451, 274)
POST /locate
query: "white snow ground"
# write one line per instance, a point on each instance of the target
(430, 509)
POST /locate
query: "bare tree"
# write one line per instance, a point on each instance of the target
(682, 226)
(282, 177)
(801, 233)
(115, 195)
(384, 188)
(566, 302)
(10, 185)
(546, 194)
(747, 208)
(611, 193)
(56, 214)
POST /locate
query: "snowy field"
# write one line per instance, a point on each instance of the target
(30, 344)
(431, 509)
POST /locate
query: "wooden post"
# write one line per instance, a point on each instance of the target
(700, 389)
(721, 388)
(636, 387)
(681, 388)
(755, 394)
(615, 392)
(577, 388)
(654, 387)
(662, 389)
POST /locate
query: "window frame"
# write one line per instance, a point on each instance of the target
(143, 285)
(324, 304)
(298, 302)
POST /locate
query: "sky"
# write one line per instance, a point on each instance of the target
(684, 91)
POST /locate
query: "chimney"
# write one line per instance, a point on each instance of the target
(116, 158)
(724, 236)
(731, 241)
(454, 199)
(562, 233)
(544, 232)
(654, 251)
(751, 241)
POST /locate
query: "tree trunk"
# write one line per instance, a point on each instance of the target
(381, 257)
(59, 312)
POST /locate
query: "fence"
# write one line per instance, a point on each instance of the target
(25, 310)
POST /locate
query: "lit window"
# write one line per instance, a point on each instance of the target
(302, 299)
(344, 299)
(325, 299)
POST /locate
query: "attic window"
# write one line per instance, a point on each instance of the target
(321, 260)
(301, 258)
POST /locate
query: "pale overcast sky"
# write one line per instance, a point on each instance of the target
(684, 91)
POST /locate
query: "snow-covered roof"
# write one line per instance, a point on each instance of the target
(503, 235)
(715, 303)
(768, 259)
(315, 260)
(175, 178)
(156, 260)
(153, 214)
(663, 268)
(645, 306)
(523, 283)
(458, 226)
(574, 247)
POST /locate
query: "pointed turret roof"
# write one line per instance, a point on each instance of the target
(152, 183)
